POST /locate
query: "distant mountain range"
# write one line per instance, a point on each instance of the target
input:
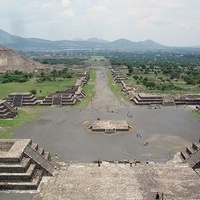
(35, 44)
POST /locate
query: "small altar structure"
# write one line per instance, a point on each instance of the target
(110, 126)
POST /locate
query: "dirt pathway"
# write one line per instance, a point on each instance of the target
(104, 100)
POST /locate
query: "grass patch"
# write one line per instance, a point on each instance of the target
(25, 114)
(196, 113)
(97, 58)
(179, 86)
(89, 90)
(115, 87)
(43, 88)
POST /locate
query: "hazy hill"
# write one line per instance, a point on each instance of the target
(19, 43)
(11, 61)
(97, 40)
(151, 43)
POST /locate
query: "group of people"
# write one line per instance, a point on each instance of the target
(139, 135)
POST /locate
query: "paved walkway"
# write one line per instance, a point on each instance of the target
(118, 181)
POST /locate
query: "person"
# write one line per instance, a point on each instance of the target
(157, 195)
(99, 163)
(131, 163)
(125, 161)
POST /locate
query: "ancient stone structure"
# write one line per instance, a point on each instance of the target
(22, 164)
(77, 91)
(189, 99)
(11, 61)
(144, 99)
(22, 99)
(109, 126)
(191, 155)
(148, 99)
(59, 98)
(68, 97)
(6, 110)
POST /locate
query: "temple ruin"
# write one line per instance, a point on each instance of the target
(59, 98)
(141, 99)
(68, 97)
(22, 99)
(23, 164)
(6, 110)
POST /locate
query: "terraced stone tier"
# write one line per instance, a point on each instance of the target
(22, 164)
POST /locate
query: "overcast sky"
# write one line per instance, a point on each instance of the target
(169, 22)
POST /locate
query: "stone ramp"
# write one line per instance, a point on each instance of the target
(17, 101)
(57, 99)
(39, 159)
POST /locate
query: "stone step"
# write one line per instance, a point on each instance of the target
(25, 185)
(34, 146)
(189, 151)
(47, 156)
(18, 176)
(184, 156)
(197, 171)
(196, 145)
(13, 167)
(40, 151)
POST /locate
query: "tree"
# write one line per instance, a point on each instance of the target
(33, 91)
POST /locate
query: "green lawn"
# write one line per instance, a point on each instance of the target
(115, 87)
(25, 114)
(196, 113)
(97, 58)
(89, 90)
(43, 88)
(183, 88)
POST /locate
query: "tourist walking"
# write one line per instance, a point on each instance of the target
(99, 163)
(157, 195)
(125, 161)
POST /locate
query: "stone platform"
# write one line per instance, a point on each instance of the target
(22, 164)
(110, 126)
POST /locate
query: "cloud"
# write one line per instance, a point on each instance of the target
(97, 9)
(65, 2)
(48, 5)
(67, 13)
(161, 20)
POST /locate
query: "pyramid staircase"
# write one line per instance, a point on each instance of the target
(57, 100)
(17, 101)
(191, 155)
(23, 164)
(22, 99)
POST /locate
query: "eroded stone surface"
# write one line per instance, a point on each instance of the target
(118, 181)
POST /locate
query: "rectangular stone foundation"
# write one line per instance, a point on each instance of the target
(110, 126)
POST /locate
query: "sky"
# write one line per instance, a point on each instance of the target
(169, 22)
